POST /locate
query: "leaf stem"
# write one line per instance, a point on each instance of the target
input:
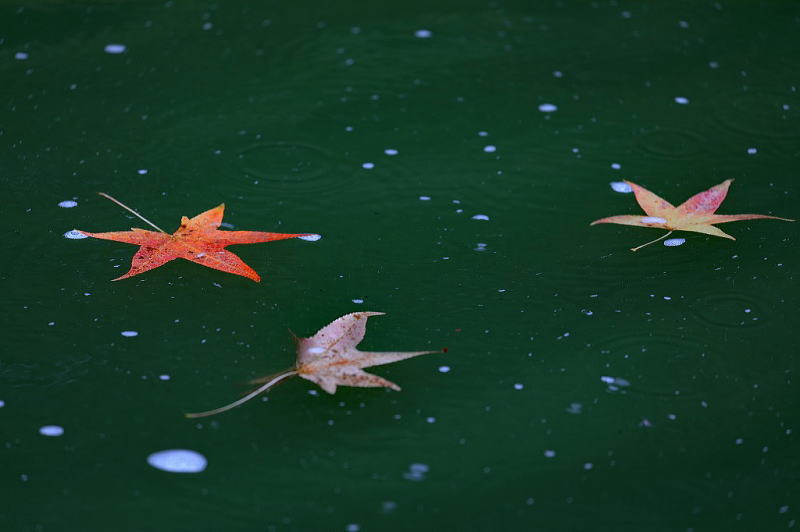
(257, 391)
(130, 210)
(637, 248)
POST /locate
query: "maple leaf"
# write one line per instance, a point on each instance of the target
(197, 239)
(695, 214)
(330, 358)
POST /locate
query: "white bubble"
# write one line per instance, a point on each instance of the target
(549, 453)
(430, 419)
(558, 74)
(480, 217)
(353, 527)
(548, 108)
(653, 220)
(164, 377)
(68, 204)
(129, 334)
(310, 238)
(616, 166)
(178, 461)
(74, 234)
(368, 166)
(672, 242)
(2, 403)
(424, 198)
(681, 100)
(142, 171)
(444, 369)
(621, 186)
(490, 148)
(713, 64)
(115, 48)
(357, 301)
(423, 34)
(752, 151)
(51, 430)
(21, 56)
(390, 151)
(518, 386)
(207, 26)
(588, 466)
(483, 134)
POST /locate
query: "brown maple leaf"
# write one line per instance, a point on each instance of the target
(330, 359)
(695, 214)
(197, 239)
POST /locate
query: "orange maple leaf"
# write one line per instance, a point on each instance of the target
(695, 214)
(330, 359)
(197, 239)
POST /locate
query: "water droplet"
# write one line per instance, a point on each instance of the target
(68, 204)
(653, 220)
(310, 238)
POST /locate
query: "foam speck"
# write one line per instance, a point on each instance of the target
(74, 234)
(481, 217)
(368, 166)
(390, 151)
(423, 34)
(67, 204)
(51, 430)
(672, 242)
(115, 48)
(490, 148)
(178, 461)
(681, 100)
(129, 334)
(548, 108)
(621, 187)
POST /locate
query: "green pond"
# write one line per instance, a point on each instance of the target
(452, 156)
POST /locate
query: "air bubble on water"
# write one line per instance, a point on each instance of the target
(653, 220)
(310, 238)
(164, 377)
(672, 242)
(621, 187)
(549, 453)
(423, 34)
(424, 198)
(129, 334)
(368, 166)
(142, 171)
(518, 386)
(21, 56)
(444, 369)
(752, 151)
(431, 419)
(483, 133)
(490, 148)
(416, 472)
(681, 100)
(390, 151)
(575, 408)
(548, 108)
(357, 301)
(481, 217)
(558, 74)
(68, 204)
(588, 466)
(115, 48)
(178, 461)
(352, 527)
(2, 403)
(616, 166)
(51, 430)
(713, 64)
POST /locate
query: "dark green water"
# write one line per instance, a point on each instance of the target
(590, 388)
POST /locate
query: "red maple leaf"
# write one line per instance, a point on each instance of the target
(197, 239)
